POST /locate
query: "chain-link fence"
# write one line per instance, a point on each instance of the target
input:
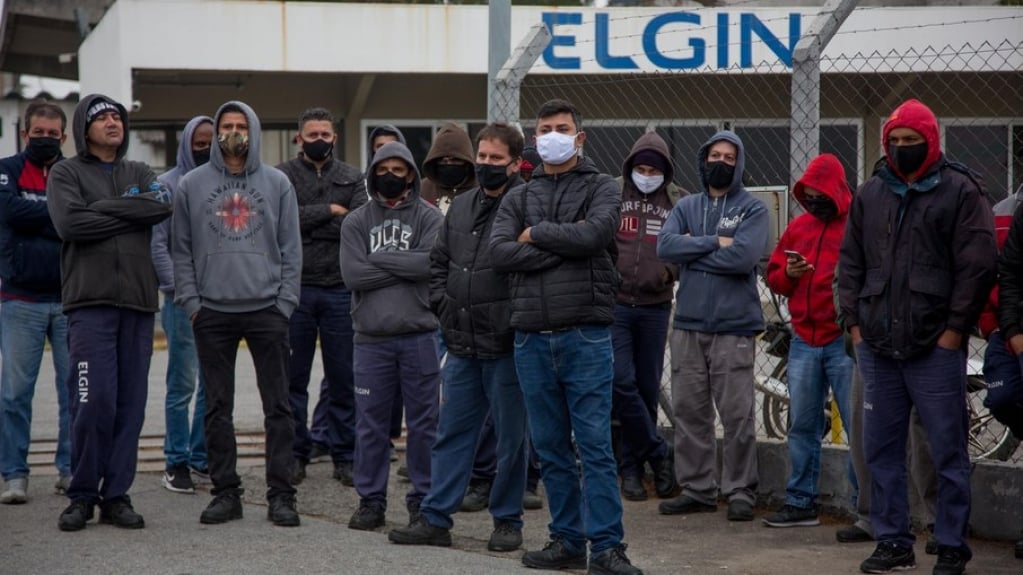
(976, 92)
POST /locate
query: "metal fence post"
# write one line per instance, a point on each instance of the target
(504, 93)
(804, 130)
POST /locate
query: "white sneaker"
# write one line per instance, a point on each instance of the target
(16, 491)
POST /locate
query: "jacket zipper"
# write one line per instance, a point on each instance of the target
(639, 246)
(809, 284)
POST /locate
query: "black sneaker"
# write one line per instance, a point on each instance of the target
(554, 555)
(739, 510)
(889, 557)
(225, 507)
(505, 537)
(343, 473)
(75, 516)
(952, 560)
(178, 478)
(683, 505)
(792, 516)
(1019, 549)
(613, 562)
(319, 453)
(633, 488)
(298, 472)
(664, 477)
(477, 497)
(532, 499)
(367, 517)
(853, 534)
(200, 473)
(420, 532)
(119, 513)
(282, 511)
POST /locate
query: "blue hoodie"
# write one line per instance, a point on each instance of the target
(235, 240)
(161, 232)
(717, 290)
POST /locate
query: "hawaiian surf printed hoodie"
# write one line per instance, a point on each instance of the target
(643, 216)
(105, 215)
(811, 297)
(385, 259)
(161, 233)
(235, 238)
(717, 291)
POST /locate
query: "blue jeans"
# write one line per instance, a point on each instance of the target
(639, 334)
(566, 378)
(323, 312)
(934, 383)
(26, 327)
(470, 389)
(811, 372)
(184, 443)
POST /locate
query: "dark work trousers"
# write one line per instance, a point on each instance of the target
(934, 383)
(109, 350)
(217, 335)
(403, 366)
(484, 465)
(323, 312)
(639, 335)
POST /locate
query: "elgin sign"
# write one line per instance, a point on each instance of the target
(671, 41)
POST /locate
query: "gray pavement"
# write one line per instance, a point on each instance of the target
(175, 543)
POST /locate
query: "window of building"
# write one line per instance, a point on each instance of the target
(984, 148)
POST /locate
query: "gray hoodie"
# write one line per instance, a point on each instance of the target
(379, 131)
(161, 232)
(717, 289)
(385, 259)
(235, 239)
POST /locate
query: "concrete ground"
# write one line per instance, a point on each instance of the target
(174, 542)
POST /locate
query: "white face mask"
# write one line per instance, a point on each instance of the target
(556, 148)
(647, 184)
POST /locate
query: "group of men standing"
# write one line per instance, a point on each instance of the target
(552, 298)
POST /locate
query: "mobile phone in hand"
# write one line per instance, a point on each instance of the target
(794, 256)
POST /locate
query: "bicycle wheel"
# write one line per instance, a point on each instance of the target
(775, 404)
(988, 438)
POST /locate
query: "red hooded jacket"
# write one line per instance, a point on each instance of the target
(811, 298)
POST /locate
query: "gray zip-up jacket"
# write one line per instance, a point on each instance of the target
(236, 243)
(385, 259)
(717, 290)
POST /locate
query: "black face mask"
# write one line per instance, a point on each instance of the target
(317, 150)
(821, 208)
(200, 157)
(42, 149)
(492, 177)
(389, 186)
(908, 159)
(719, 175)
(450, 175)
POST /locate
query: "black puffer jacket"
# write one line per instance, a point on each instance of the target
(336, 183)
(469, 297)
(566, 276)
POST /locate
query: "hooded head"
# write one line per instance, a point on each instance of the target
(707, 170)
(449, 164)
(391, 151)
(186, 156)
(530, 162)
(252, 159)
(390, 132)
(826, 175)
(649, 150)
(912, 114)
(88, 110)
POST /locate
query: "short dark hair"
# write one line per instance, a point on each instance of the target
(559, 106)
(315, 115)
(506, 134)
(44, 109)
